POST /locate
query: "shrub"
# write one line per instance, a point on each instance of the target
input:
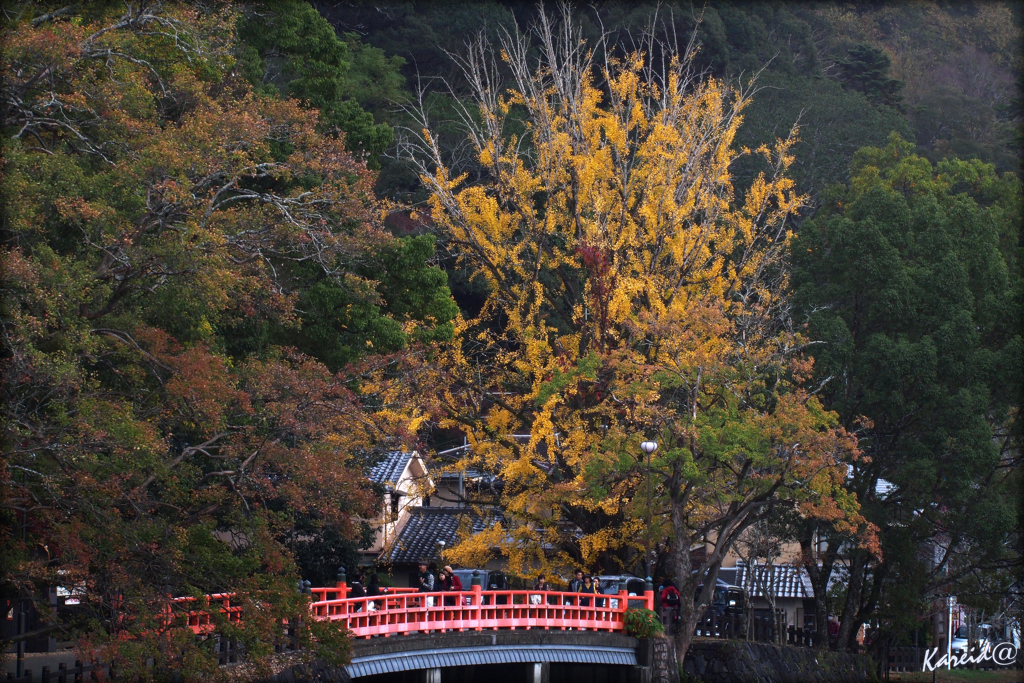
(643, 623)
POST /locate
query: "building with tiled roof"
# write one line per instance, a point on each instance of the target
(389, 471)
(784, 580)
(789, 582)
(406, 483)
(429, 530)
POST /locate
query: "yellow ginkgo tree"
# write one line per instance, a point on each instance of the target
(634, 294)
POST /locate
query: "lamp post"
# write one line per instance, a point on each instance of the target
(648, 447)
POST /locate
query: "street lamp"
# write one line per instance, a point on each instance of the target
(648, 447)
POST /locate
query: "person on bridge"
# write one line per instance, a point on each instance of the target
(589, 587)
(454, 583)
(448, 582)
(670, 602)
(373, 590)
(576, 583)
(426, 582)
(356, 590)
(541, 585)
(426, 579)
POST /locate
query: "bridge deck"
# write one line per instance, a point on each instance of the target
(412, 612)
(405, 612)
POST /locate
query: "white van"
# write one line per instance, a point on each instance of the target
(984, 634)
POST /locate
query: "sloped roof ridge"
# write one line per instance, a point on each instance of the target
(389, 469)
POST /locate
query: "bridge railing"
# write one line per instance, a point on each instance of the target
(407, 611)
(402, 611)
(201, 620)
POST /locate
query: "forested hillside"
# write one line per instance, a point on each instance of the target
(943, 74)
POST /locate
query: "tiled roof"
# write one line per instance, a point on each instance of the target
(883, 488)
(389, 470)
(728, 575)
(425, 527)
(786, 580)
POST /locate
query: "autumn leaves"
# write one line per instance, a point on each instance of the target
(632, 294)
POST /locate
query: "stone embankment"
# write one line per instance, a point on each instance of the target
(709, 661)
(740, 661)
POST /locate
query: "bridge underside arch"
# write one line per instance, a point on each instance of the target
(501, 654)
(448, 650)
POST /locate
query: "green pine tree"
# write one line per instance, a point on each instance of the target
(866, 69)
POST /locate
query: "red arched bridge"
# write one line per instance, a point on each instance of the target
(493, 628)
(406, 611)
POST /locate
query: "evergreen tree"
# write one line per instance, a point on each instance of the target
(288, 48)
(908, 280)
(866, 70)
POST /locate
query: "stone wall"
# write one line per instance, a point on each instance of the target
(740, 661)
(317, 672)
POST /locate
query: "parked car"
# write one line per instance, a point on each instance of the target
(983, 634)
(490, 579)
(727, 599)
(609, 585)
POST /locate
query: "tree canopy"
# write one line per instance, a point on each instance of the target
(165, 225)
(288, 48)
(909, 279)
(631, 293)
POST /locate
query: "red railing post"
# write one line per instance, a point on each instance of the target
(477, 598)
(339, 583)
(620, 621)
(649, 594)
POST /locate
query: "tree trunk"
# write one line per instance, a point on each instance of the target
(853, 592)
(820, 577)
(689, 612)
(687, 626)
(867, 608)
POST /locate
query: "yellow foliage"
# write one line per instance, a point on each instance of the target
(631, 293)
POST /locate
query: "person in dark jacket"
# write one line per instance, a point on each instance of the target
(426, 579)
(373, 590)
(356, 590)
(426, 582)
(576, 583)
